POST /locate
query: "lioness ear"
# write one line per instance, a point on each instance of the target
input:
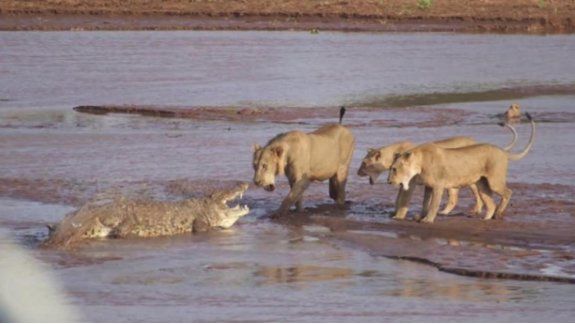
(377, 155)
(256, 147)
(278, 150)
(371, 150)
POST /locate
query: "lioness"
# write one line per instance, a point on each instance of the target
(379, 160)
(513, 113)
(439, 168)
(304, 157)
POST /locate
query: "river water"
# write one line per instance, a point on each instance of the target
(52, 159)
(42, 69)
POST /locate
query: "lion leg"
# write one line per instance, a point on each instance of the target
(299, 202)
(485, 193)
(341, 181)
(426, 200)
(402, 202)
(341, 192)
(453, 196)
(294, 195)
(478, 202)
(505, 193)
(333, 188)
(436, 194)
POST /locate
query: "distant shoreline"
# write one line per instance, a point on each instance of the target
(506, 16)
(80, 22)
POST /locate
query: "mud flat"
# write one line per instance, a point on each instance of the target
(421, 116)
(441, 15)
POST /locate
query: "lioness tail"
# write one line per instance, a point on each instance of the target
(519, 156)
(514, 140)
(341, 113)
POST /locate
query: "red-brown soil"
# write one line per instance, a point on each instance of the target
(533, 16)
(422, 116)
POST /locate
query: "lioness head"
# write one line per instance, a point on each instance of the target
(514, 111)
(405, 167)
(268, 162)
(375, 162)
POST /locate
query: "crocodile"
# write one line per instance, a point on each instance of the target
(126, 218)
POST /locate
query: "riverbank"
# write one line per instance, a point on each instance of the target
(509, 16)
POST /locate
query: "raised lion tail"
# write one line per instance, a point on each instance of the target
(341, 113)
(513, 140)
(519, 156)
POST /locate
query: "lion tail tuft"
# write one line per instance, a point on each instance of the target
(341, 114)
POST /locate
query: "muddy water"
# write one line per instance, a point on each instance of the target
(53, 159)
(259, 271)
(278, 68)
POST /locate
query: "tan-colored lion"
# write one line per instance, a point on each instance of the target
(380, 160)
(439, 168)
(513, 113)
(324, 154)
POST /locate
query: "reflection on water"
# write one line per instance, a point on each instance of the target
(300, 274)
(478, 291)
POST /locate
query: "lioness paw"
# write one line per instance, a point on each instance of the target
(428, 220)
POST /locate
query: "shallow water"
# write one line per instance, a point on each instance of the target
(259, 270)
(64, 69)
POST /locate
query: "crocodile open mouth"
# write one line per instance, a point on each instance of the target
(235, 194)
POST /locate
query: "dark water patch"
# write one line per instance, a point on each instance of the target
(437, 98)
(143, 111)
(301, 116)
(486, 274)
(298, 115)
